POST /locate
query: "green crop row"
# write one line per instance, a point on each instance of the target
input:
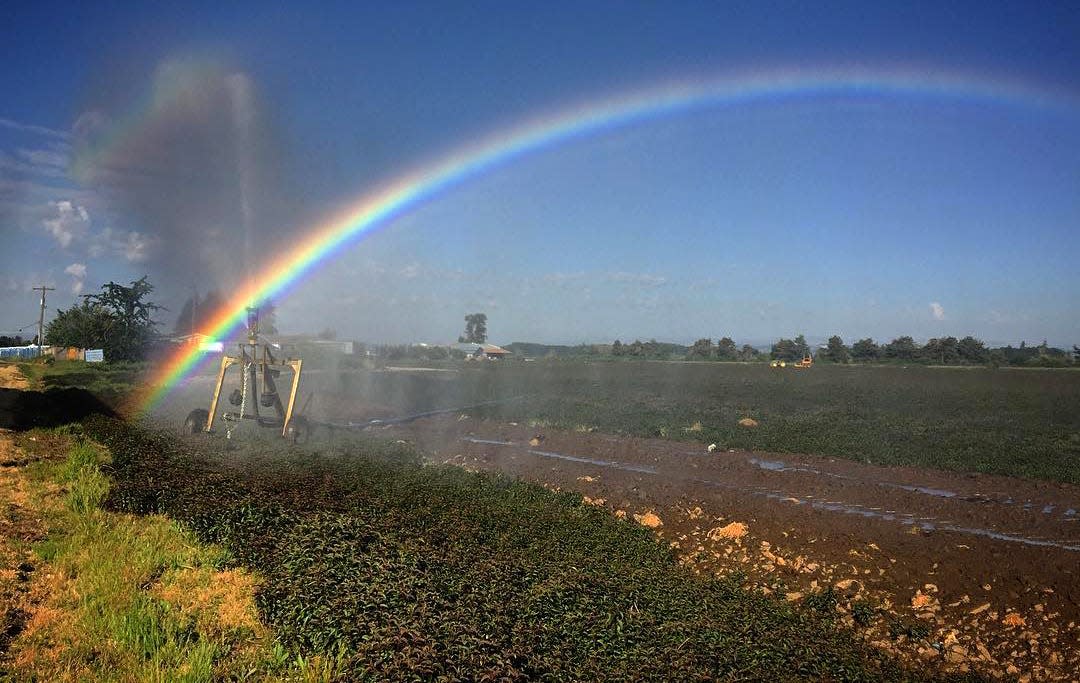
(406, 572)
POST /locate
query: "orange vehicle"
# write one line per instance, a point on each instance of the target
(806, 362)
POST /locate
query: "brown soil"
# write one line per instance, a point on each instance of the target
(989, 566)
(11, 378)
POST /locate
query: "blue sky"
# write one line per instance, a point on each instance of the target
(865, 215)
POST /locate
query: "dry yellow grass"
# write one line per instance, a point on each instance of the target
(90, 607)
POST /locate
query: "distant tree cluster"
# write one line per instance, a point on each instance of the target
(725, 349)
(15, 340)
(650, 350)
(118, 321)
(790, 349)
(945, 351)
(904, 349)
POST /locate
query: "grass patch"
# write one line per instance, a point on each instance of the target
(109, 381)
(129, 598)
(394, 571)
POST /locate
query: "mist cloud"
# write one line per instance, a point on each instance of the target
(193, 173)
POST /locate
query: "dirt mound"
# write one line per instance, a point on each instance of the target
(21, 410)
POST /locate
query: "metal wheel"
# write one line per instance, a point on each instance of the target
(196, 421)
(299, 430)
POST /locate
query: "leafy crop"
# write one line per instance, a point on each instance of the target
(1013, 422)
(405, 572)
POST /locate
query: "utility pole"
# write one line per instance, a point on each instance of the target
(41, 316)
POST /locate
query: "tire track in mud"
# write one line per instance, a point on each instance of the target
(926, 523)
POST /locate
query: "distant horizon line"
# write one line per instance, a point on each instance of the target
(755, 342)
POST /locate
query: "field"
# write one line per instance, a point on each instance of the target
(1023, 423)
(566, 521)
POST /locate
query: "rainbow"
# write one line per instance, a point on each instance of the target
(102, 144)
(400, 196)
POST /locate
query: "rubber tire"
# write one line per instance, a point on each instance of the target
(299, 430)
(195, 422)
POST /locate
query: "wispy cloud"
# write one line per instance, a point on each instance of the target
(31, 167)
(642, 279)
(44, 157)
(937, 310)
(31, 128)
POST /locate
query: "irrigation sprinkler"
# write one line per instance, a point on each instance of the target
(258, 370)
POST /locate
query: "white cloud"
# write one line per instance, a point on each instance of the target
(134, 246)
(937, 310)
(77, 271)
(69, 222)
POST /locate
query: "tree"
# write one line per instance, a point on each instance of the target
(475, 329)
(197, 312)
(726, 349)
(1076, 353)
(748, 352)
(801, 347)
(85, 326)
(944, 350)
(836, 351)
(785, 349)
(118, 320)
(702, 348)
(901, 348)
(865, 350)
(617, 348)
(17, 340)
(973, 350)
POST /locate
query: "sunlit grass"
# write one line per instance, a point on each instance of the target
(129, 598)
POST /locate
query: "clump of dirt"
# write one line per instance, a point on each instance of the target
(729, 532)
(22, 410)
(649, 519)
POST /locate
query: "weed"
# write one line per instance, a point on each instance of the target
(87, 490)
(863, 612)
(823, 602)
(914, 631)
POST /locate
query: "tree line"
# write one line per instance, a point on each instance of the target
(937, 351)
